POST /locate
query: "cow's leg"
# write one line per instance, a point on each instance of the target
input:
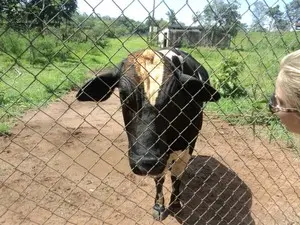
(159, 205)
(177, 170)
(175, 205)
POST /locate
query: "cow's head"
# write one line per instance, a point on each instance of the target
(158, 103)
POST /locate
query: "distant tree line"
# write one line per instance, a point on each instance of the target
(60, 17)
(223, 16)
(111, 27)
(220, 16)
(28, 14)
(271, 18)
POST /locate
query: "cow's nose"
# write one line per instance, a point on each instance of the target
(148, 165)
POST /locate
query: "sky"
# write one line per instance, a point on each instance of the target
(139, 9)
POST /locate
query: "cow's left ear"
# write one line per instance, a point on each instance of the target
(101, 87)
(200, 90)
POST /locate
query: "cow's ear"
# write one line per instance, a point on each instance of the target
(200, 90)
(99, 88)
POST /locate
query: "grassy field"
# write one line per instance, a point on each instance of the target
(31, 77)
(34, 71)
(260, 54)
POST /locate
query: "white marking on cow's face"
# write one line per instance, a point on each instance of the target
(151, 69)
(169, 54)
(178, 161)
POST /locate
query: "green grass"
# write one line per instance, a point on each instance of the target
(4, 129)
(28, 81)
(260, 53)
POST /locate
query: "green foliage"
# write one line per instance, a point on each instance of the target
(293, 10)
(221, 16)
(243, 111)
(266, 43)
(2, 98)
(159, 23)
(97, 36)
(45, 50)
(21, 14)
(267, 17)
(122, 26)
(98, 29)
(260, 53)
(227, 79)
(24, 85)
(12, 43)
(42, 50)
(259, 16)
(295, 45)
(277, 20)
(4, 129)
(172, 17)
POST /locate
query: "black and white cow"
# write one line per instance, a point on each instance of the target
(162, 95)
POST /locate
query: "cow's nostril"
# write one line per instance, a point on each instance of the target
(147, 165)
(148, 162)
(152, 166)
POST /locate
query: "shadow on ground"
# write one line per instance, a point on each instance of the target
(213, 194)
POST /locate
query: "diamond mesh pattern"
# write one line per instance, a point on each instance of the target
(66, 162)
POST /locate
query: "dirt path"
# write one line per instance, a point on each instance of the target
(66, 164)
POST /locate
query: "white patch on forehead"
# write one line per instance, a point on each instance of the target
(156, 71)
(152, 72)
(169, 54)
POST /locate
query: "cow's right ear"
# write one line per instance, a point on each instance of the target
(201, 91)
(99, 88)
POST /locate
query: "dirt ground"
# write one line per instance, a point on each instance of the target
(66, 164)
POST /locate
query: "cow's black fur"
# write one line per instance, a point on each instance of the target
(155, 131)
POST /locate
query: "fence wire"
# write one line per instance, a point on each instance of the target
(66, 162)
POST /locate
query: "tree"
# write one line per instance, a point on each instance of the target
(220, 15)
(12, 12)
(50, 12)
(162, 23)
(243, 27)
(277, 20)
(123, 26)
(172, 17)
(37, 13)
(293, 10)
(259, 14)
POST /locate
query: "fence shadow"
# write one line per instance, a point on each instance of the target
(213, 194)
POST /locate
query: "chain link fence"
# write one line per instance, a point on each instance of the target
(66, 162)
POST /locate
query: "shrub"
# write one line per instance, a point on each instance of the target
(77, 35)
(41, 51)
(96, 34)
(12, 43)
(47, 49)
(226, 81)
(62, 54)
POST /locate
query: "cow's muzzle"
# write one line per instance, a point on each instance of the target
(147, 165)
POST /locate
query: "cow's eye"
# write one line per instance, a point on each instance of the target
(127, 102)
